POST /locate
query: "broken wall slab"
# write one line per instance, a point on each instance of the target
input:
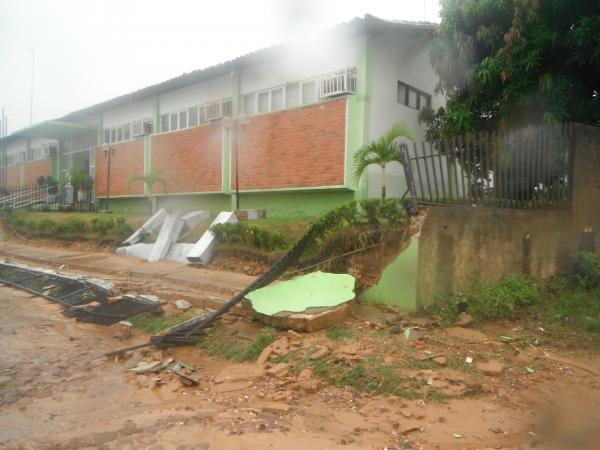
(304, 303)
(203, 250)
(139, 250)
(149, 226)
(169, 232)
(194, 218)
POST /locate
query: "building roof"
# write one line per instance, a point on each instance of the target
(354, 27)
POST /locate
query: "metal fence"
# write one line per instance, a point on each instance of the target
(520, 168)
(46, 198)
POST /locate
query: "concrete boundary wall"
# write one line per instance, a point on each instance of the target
(461, 246)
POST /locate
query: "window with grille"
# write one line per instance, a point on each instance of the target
(412, 97)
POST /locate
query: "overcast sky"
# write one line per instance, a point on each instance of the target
(89, 51)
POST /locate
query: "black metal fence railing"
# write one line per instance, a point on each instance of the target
(46, 198)
(520, 168)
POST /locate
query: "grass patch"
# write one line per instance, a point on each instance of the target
(339, 333)
(567, 308)
(152, 324)
(502, 300)
(219, 343)
(75, 226)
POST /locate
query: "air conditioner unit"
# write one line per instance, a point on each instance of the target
(338, 83)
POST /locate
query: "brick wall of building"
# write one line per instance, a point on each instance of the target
(302, 147)
(190, 159)
(34, 169)
(13, 176)
(127, 161)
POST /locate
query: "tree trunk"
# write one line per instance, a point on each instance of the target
(383, 182)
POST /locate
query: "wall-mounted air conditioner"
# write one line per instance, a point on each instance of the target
(338, 82)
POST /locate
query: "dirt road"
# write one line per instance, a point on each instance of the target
(58, 392)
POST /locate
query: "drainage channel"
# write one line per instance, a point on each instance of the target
(79, 299)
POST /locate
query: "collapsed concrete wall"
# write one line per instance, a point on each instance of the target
(461, 246)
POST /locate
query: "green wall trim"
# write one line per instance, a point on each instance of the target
(299, 204)
(398, 283)
(338, 187)
(357, 118)
(147, 160)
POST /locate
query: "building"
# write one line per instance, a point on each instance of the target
(307, 106)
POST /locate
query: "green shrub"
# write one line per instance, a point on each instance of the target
(501, 300)
(101, 225)
(587, 269)
(44, 227)
(74, 225)
(247, 234)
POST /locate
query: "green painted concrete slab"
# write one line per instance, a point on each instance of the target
(317, 289)
(398, 283)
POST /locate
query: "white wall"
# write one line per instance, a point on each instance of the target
(397, 57)
(196, 94)
(394, 57)
(302, 61)
(127, 113)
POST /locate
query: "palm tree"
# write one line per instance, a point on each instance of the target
(381, 152)
(149, 180)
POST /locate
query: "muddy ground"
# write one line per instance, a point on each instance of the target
(58, 391)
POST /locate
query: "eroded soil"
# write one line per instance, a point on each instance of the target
(58, 391)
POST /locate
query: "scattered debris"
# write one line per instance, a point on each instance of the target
(457, 436)
(469, 360)
(412, 334)
(321, 353)
(185, 374)
(146, 366)
(279, 370)
(493, 368)
(182, 305)
(529, 370)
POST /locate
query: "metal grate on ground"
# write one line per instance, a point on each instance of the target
(80, 299)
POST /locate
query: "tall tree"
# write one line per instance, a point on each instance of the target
(381, 152)
(515, 62)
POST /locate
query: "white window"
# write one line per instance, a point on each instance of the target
(193, 116)
(126, 131)
(309, 92)
(164, 123)
(277, 99)
(262, 102)
(183, 119)
(148, 126)
(412, 97)
(136, 128)
(213, 110)
(227, 108)
(113, 135)
(173, 121)
(201, 114)
(119, 134)
(248, 104)
(292, 95)
(106, 136)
